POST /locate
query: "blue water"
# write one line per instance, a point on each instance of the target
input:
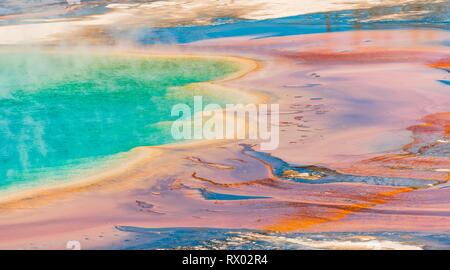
(325, 175)
(209, 195)
(445, 82)
(439, 17)
(245, 239)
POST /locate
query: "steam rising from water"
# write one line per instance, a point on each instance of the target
(61, 110)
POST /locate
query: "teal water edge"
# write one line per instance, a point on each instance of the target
(63, 113)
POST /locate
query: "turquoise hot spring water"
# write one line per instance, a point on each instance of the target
(62, 113)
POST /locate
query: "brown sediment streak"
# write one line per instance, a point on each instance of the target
(366, 56)
(264, 182)
(210, 164)
(438, 123)
(390, 157)
(301, 221)
(441, 123)
(433, 124)
(441, 120)
(443, 63)
(418, 160)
